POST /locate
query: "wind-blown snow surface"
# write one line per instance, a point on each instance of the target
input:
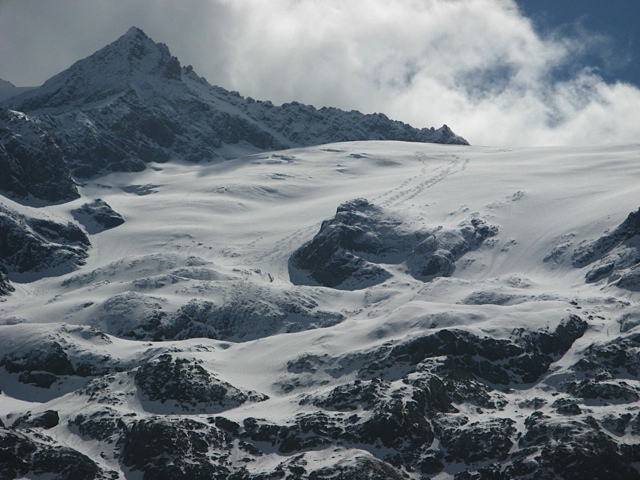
(199, 280)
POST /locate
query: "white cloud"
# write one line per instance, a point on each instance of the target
(477, 65)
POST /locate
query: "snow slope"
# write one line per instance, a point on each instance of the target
(8, 89)
(276, 373)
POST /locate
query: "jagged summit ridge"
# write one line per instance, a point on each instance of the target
(124, 64)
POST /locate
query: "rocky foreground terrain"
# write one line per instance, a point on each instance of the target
(195, 285)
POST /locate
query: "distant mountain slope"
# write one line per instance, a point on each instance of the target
(132, 103)
(8, 90)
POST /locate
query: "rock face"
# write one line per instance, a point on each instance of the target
(189, 385)
(150, 108)
(5, 286)
(165, 449)
(97, 216)
(38, 246)
(45, 420)
(348, 249)
(614, 257)
(41, 359)
(31, 161)
(20, 455)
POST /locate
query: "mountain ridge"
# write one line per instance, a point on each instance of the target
(132, 102)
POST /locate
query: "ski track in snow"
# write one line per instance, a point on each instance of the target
(415, 185)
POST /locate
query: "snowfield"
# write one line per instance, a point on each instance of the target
(199, 282)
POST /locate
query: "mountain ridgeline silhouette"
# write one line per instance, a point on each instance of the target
(132, 102)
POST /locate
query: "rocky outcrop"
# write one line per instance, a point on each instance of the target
(38, 245)
(349, 248)
(5, 286)
(32, 163)
(97, 216)
(437, 254)
(21, 455)
(305, 125)
(341, 250)
(46, 420)
(174, 449)
(571, 449)
(103, 425)
(186, 384)
(42, 358)
(614, 257)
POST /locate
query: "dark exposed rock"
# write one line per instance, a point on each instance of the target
(340, 250)
(479, 441)
(498, 361)
(567, 407)
(620, 356)
(575, 449)
(630, 279)
(174, 449)
(365, 468)
(97, 216)
(558, 342)
(490, 472)
(431, 464)
(101, 425)
(249, 313)
(436, 255)
(490, 297)
(21, 455)
(38, 379)
(31, 162)
(346, 250)
(599, 272)
(616, 424)
(47, 419)
(591, 252)
(188, 384)
(39, 245)
(48, 358)
(610, 391)
(226, 424)
(614, 256)
(5, 286)
(333, 125)
(353, 396)
(396, 424)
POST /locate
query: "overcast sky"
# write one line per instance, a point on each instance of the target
(536, 72)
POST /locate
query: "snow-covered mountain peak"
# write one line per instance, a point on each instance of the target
(133, 61)
(144, 56)
(131, 103)
(135, 34)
